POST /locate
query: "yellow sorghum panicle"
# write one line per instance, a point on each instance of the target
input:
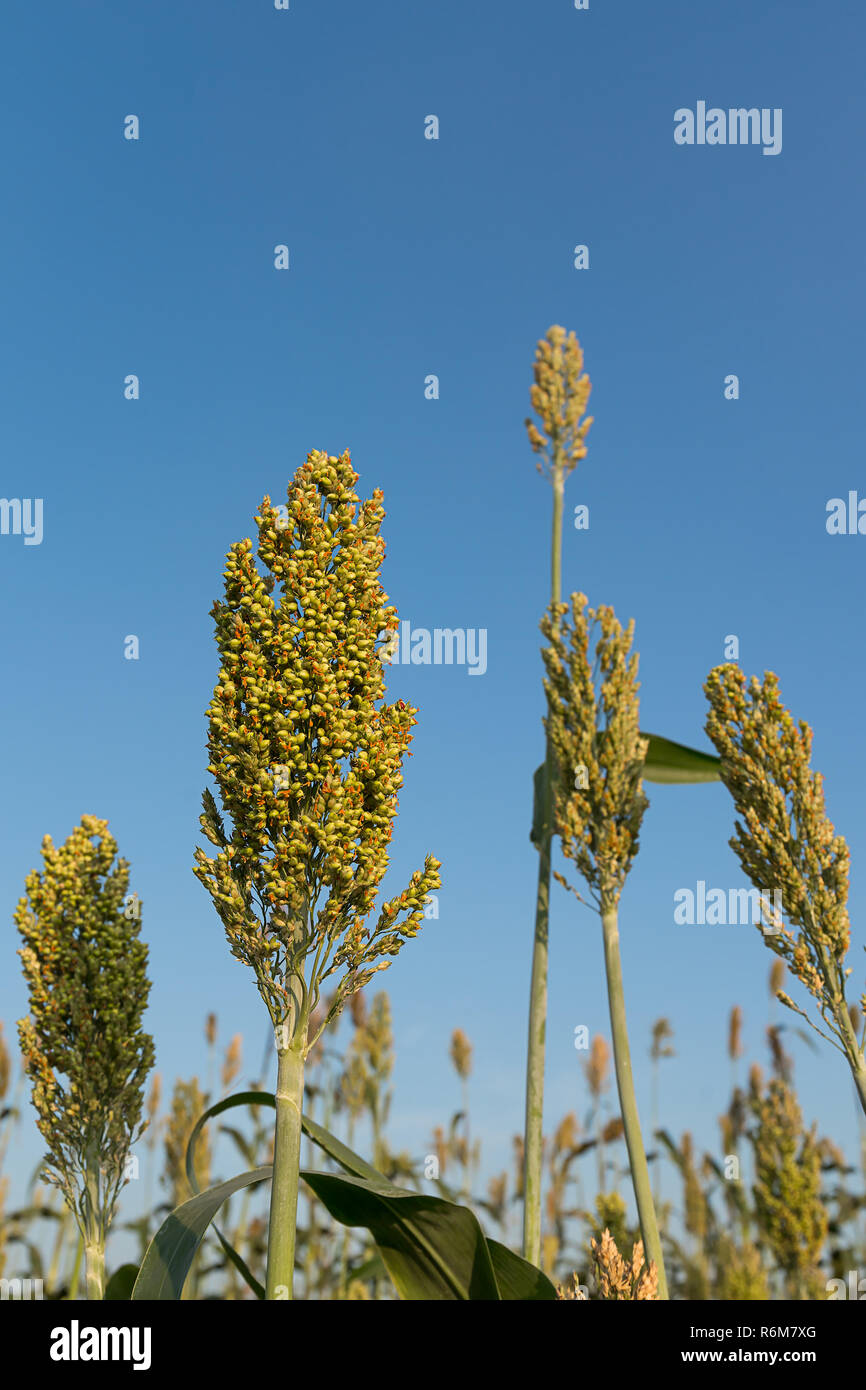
(306, 755)
(599, 752)
(559, 396)
(783, 838)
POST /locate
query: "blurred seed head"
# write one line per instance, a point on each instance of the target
(597, 1066)
(5, 1065)
(662, 1030)
(232, 1062)
(461, 1054)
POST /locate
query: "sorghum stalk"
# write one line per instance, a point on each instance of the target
(308, 762)
(559, 396)
(287, 1160)
(598, 809)
(86, 971)
(627, 1099)
(787, 845)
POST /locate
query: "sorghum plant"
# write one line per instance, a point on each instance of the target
(786, 844)
(621, 1281)
(188, 1104)
(787, 1188)
(86, 970)
(308, 762)
(599, 804)
(559, 397)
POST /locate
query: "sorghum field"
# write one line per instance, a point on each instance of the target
(433, 574)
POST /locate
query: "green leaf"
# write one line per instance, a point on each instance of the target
(673, 762)
(539, 804)
(171, 1252)
(340, 1153)
(432, 1249)
(230, 1103)
(516, 1277)
(120, 1285)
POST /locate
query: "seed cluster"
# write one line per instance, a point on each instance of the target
(306, 756)
(784, 839)
(559, 396)
(82, 1044)
(597, 732)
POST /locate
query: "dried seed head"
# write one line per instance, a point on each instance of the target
(662, 1030)
(777, 977)
(188, 1104)
(461, 1054)
(153, 1098)
(619, 1280)
(571, 1289)
(565, 1134)
(613, 1130)
(232, 1062)
(597, 1066)
(559, 397)
(4, 1065)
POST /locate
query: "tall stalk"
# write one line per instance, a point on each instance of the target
(75, 1276)
(94, 1229)
(559, 396)
(627, 1099)
(595, 731)
(287, 1159)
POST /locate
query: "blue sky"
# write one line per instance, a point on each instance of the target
(409, 257)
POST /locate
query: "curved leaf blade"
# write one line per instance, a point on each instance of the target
(347, 1158)
(120, 1285)
(516, 1277)
(669, 762)
(433, 1249)
(171, 1252)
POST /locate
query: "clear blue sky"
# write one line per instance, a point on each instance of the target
(452, 257)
